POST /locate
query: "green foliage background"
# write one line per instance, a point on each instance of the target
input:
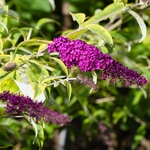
(25, 30)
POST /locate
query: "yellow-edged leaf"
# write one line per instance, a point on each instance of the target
(62, 65)
(79, 17)
(109, 11)
(101, 31)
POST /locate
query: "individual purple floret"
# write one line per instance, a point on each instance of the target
(88, 58)
(20, 105)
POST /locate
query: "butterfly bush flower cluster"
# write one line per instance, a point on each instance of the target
(89, 58)
(19, 105)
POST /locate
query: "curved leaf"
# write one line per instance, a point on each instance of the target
(101, 31)
(69, 90)
(79, 17)
(141, 24)
(50, 102)
(13, 14)
(1, 46)
(62, 65)
(44, 21)
(5, 141)
(109, 11)
(9, 85)
(27, 90)
(38, 89)
(80, 101)
(76, 33)
(39, 132)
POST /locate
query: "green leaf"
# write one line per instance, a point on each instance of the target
(43, 21)
(3, 19)
(27, 90)
(40, 136)
(62, 65)
(39, 67)
(69, 89)
(76, 33)
(13, 13)
(101, 31)
(9, 85)
(137, 97)
(141, 24)
(35, 71)
(31, 42)
(79, 100)
(1, 47)
(109, 11)
(50, 102)
(52, 3)
(116, 1)
(4, 139)
(117, 115)
(38, 89)
(5, 75)
(79, 17)
(50, 78)
(39, 132)
(42, 47)
(31, 76)
(4, 57)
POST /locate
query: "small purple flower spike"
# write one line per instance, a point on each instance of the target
(20, 105)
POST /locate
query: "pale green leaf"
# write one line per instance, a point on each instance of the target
(101, 31)
(141, 24)
(2, 56)
(39, 132)
(42, 47)
(3, 20)
(27, 90)
(123, 1)
(94, 76)
(62, 65)
(69, 89)
(109, 11)
(38, 89)
(4, 26)
(116, 1)
(9, 85)
(31, 42)
(76, 33)
(13, 14)
(43, 21)
(52, 3)
(4, 75)
(50, 78)
(79, 17)
(31, 76)
(40, 136)
(1, 47)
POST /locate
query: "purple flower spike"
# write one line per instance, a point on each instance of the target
(88, 58)
(20, 105)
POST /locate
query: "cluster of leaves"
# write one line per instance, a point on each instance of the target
(27, 68)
